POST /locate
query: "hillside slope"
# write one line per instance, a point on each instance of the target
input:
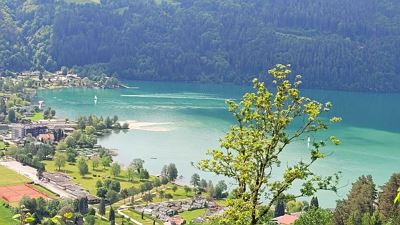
(338, 44)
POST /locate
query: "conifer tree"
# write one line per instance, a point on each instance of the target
(111, 217)
(280, 208)
(360, 201)
(385, 201)
(314, 202)
(102, 207)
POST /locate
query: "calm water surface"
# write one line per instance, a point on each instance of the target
(194, 117)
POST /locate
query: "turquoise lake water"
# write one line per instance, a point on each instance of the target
(193, 117)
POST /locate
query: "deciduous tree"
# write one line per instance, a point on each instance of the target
(59, 160)
(315, 216)
(266, 122)
(82, 166)
(115, 169)
(95, 162)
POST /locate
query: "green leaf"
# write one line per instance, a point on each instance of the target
(398, 196)
(68, 215)
(29, 220)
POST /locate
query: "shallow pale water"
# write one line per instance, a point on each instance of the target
(195, 117)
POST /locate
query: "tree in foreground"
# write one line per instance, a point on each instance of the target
(266, 123)
(360, 203)
(386, 205)
(315, 216)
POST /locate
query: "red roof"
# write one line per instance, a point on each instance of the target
(46, 137)
(286, 219)
(175, 220)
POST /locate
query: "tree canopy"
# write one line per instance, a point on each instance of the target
(339, 44)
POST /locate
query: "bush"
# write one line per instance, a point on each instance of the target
(315, 216)
(125, 126)
(168, 196)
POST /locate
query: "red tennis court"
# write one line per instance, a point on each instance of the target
(15, 193)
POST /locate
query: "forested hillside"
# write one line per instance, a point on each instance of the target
(336, 44)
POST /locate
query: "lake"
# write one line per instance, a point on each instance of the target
(181, 121)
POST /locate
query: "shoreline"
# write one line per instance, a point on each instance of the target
(148, 126)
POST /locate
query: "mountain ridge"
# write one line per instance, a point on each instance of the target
(341, 45)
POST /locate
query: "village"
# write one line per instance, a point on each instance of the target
(28, 125)
(26, 120)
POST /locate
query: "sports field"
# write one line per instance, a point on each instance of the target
(10, 178)
(13, 194)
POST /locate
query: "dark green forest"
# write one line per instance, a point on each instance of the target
(336, 44)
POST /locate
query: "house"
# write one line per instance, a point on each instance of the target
(286, 219)
(49, 137)
(19, 131)
(35, 130)
(175, 220)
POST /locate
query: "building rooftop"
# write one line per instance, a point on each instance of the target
(286, 219)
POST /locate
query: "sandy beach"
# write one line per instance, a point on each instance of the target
(148, 126)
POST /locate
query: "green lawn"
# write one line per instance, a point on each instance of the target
(6, 215)
(2, 145)
(118, 218)
(100, 221)
(138, 217)
(9, 177)
(190, 215)
(222, 202)
(37, 116)
(46, 191)
(178, 194)
(89, 181)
